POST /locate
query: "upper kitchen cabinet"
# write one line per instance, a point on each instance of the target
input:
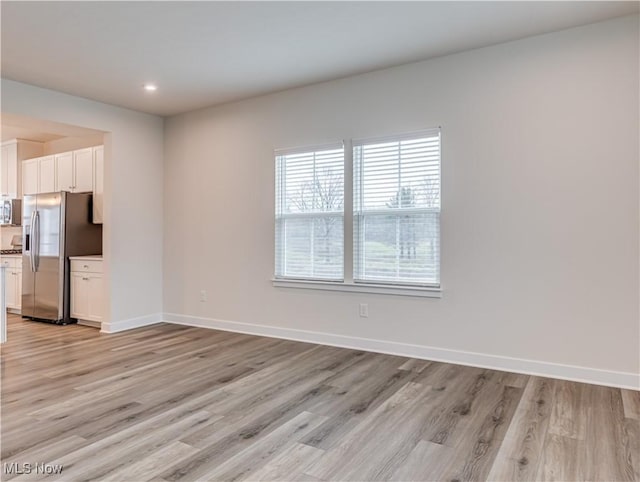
(8, 157)
(39, 175)
(83, 169)
(30, 177)
(47, 174)
(75, 171)
(64, 172)
(12, 153)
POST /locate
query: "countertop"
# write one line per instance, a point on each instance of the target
(10, 256)
(91, 257)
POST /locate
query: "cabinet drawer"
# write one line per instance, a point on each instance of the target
(86, 266)
(10, 262)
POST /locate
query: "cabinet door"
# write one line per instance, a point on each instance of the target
(64, 175)
(9, 170)
(98, 183)
(10, 290)
(18, 305)
(79, 296)
(4, 170)
(12, 171)
(95, 297)
(30, 176)
(47, 174)
(83, 167)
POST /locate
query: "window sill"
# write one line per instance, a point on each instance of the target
(418, 291)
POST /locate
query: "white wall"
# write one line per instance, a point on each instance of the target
(67, 144)
(133, 192)
(540, 212)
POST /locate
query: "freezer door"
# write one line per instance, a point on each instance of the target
(49, 261)
(28, 273)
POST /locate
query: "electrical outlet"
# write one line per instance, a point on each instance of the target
(203, 296)
(364, 310)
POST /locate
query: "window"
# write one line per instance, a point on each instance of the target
(310, 214)
(397, 209)
(395, 219)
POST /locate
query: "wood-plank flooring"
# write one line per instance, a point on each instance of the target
(170, 402)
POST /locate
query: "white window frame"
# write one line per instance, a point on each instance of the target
(348, 284)
(280, 202)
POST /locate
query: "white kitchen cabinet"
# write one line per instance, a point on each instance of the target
(30, 176)
(87, 291)
(64, 172)
(11, 154)
(98, 183)
(47, 174)
(86, 296)
(17, 301)
(83, 170)
(74, 171)
(39, 175)
(13, 290)
(8, 157)
(13, 295)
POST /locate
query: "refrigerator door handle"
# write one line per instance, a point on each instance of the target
(32, 260)
(36, 251)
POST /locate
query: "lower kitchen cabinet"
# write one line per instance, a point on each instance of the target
(13, 289)
(16, 303)
(87, 291)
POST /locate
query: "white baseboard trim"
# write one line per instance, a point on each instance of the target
(89, 323)
(495, 362)
(122, 325)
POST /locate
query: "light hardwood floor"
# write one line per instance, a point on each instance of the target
(172, 403)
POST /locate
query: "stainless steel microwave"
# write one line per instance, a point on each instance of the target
(11, 213)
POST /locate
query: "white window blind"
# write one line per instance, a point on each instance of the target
(310, 213)
(397, 209)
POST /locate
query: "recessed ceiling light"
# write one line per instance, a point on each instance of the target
(150, 87)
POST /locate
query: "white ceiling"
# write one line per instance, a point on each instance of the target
(206, 53)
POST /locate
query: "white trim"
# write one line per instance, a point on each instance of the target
(90, 323)
(312, 214)
(494, 362)
(398, 211)
(406, 136)
(123, 325)
(291, 151)
(399, 290)
(347, 219)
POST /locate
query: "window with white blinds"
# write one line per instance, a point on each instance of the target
(396, 188)
(310, 214)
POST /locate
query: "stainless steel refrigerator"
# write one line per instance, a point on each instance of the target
(54, 226)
